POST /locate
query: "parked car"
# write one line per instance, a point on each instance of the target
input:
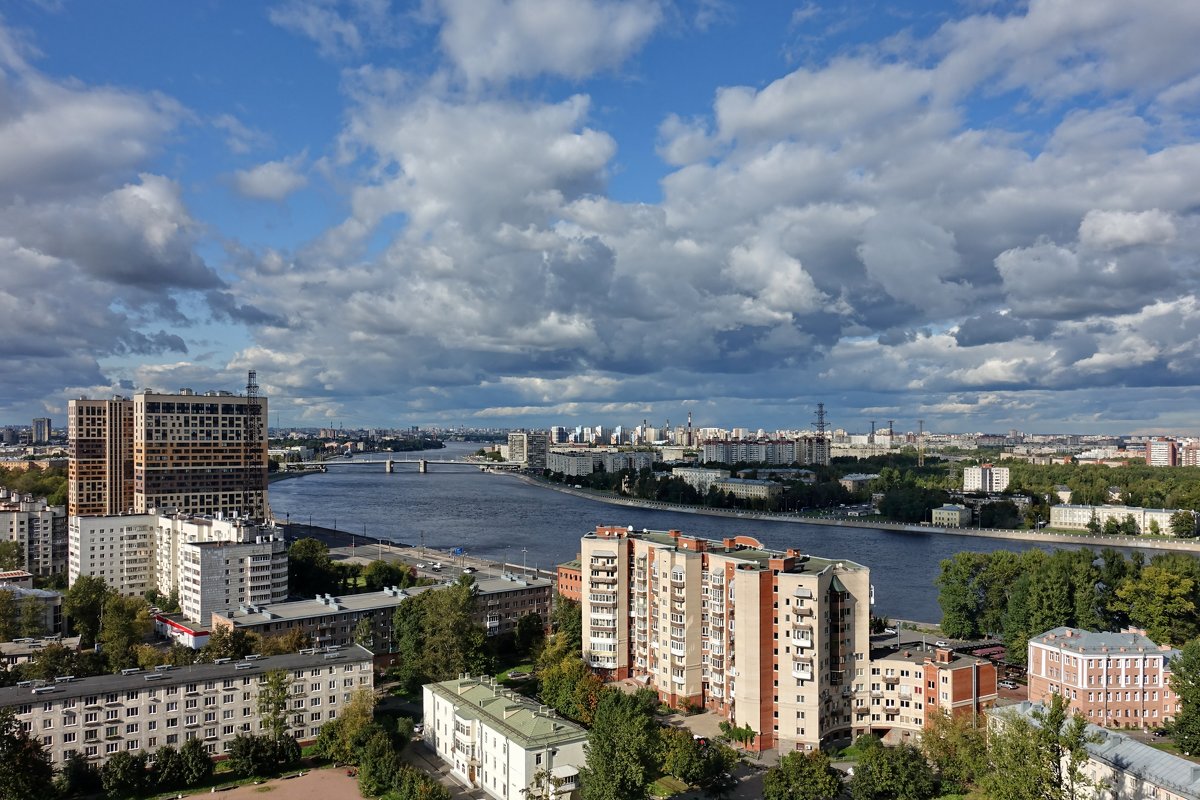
(437, 567)
(469, 570)
(1159, 732)
(941, 643)
(890, 631)
(422, 566)
(1006, 685)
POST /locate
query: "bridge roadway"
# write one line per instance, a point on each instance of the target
(352, 462)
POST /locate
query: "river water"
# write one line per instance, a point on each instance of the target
(498, 516)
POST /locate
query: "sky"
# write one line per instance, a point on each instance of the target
(499, 213)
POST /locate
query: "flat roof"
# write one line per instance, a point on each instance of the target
(758, 556)
(366, 601)
(101, 684)
(1081, 640)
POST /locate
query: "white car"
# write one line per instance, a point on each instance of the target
(941, 643)
(437, 567)
(890, 631)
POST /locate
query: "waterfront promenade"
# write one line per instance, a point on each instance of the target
(1049, 538)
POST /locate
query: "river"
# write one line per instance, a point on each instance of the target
(500, 517)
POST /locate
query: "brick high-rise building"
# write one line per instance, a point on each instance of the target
(197, 454)
(775, 640)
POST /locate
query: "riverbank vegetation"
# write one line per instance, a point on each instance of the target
(1019, 595)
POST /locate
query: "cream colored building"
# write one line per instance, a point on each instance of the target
(950, 516)
(748, 489)
(39, 528)
(774, 640)
(699, 478)
(1077, 517)
(985, 478)
(146, 710)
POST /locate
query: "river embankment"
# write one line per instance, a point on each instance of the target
(1049, 538)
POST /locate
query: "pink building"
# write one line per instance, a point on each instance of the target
(1115, 680)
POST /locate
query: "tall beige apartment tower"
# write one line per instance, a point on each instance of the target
(198, 454)
(770, 639)
(100, 469)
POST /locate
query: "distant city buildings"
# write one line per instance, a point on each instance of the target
(1162, 453)
(700, 478)
(196, 454)
(985, 478)
(40, 431)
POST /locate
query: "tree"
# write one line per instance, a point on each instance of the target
(228, 642)
(125, 775)
(84, 604)
(621, 751)
(197, 766)
(310, 569)
(125, 623)
(364, 634)
(957, 750)
(566, 621)
(338, 739)
(959, 596)
(543, 786)
(1183, 523)
(168, 769)
(25, 769)
(530, 632)
(453, 642)
(78, 777)
(1185, 682)
(802, 776)
(572, 689)
(379, 765)
(380, 574)
(11, 556)
(1160, 601)
(1040, 757)
(891, 773)
(8, 615)
(273, 692)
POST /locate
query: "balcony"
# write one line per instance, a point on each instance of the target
(802, 611)
(803, 672)
(876, 693)
(891, 680)
(678, 680)
(802, 593)
(802, 640)
(607, 578)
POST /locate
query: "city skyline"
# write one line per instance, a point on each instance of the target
(503, 213)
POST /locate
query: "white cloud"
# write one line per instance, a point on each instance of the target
(493, 41)
(1107, 230)
(273, 180)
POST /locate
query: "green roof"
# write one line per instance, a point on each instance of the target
(520, 719)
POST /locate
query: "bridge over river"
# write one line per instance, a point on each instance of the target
(390, 464)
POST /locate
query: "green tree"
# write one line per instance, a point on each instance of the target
(1160, 601)
(84, 604)
(957, 750)
(8, 615)
(168, 769)
(78, 777)
(891, 773)
(572, 689)
(339, 738)
(125, 775)
(25, 769)
(228, 642)
(1185, 682)
(273, 691)
(566, 621)
(802, 776)
(543, 786)
(11, 556)
(379, 765)
(310, 569)
(364, 634)
(530, 633)
(621, 751)
(1183, 523)
(197, 766)
(125, 623)
(959, 595)
(1039, 758)
(453, 642)
(380, 574)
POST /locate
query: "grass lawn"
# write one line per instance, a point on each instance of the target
(527, 668)
(668, 785)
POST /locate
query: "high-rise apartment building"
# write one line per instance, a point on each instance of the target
(39, 528)
(985, 478)
(100, 468)
(775, 640)
(1162, 453)
(196, 454)
(40, 431)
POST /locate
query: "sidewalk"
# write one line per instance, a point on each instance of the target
(418, 755)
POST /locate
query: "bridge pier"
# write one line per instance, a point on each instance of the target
(389, 466)
(423, 466)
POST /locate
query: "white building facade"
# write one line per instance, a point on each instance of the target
(985, 478)
(1077, 517)
(496, 740)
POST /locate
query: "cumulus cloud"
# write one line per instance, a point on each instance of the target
(493, 41)
(273, 180)
(1108, 230)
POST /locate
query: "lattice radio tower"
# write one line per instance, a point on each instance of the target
(819, 424)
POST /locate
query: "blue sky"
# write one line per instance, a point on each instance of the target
(521, 212)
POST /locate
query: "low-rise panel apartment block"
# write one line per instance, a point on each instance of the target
(329, 620)
(38, 528)
(1115, 680)
(496, 740)
(146, 710)
(1077, 517)
(774, 640)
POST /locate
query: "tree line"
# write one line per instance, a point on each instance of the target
(1019, 595)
